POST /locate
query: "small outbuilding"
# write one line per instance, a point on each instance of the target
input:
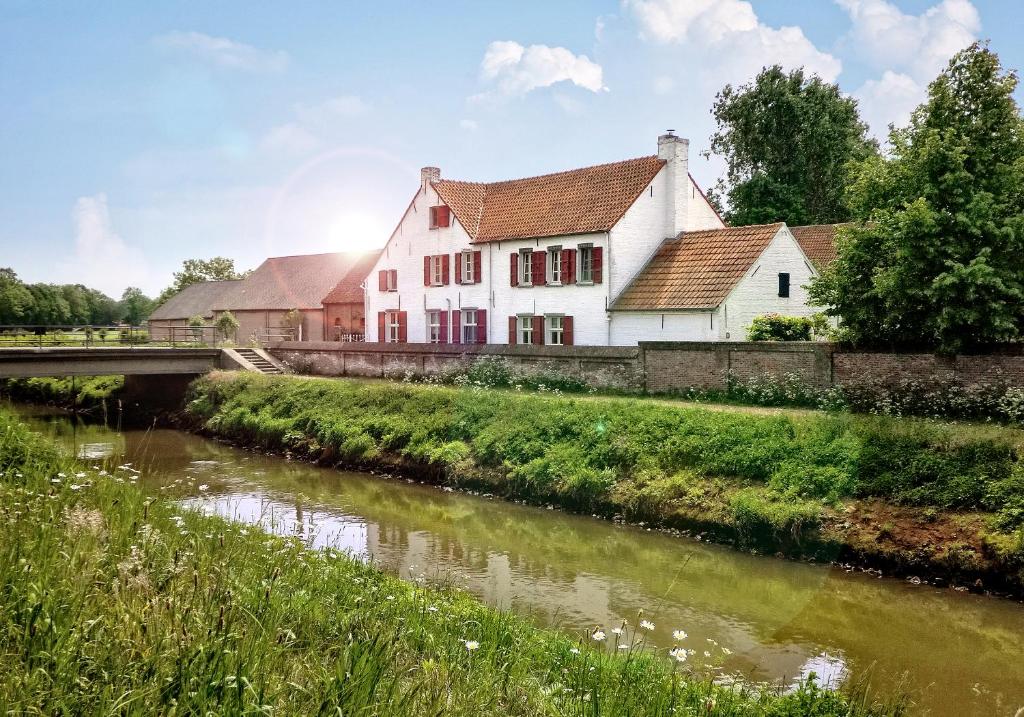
(169, 320)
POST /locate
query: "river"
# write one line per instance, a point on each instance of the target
(951, 653)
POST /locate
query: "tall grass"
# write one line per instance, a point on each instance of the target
(112, 602)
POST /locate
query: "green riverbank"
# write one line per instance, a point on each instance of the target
(85, 393)
(116, 602)
(929, 500)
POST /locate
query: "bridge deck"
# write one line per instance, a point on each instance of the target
(55, 361)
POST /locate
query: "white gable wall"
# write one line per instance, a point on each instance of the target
(411, 241)
(700, 214)
(757, 292)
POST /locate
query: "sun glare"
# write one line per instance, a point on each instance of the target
(356, 231)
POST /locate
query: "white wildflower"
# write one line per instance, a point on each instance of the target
(646, 625)
(598, 635)
(472, 645)
(679, 635)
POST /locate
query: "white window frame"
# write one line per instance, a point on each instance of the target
(526, 267)
(585, 264)
(465, 326)
(554, 328)
(554, 265)
(467, 267)
(391, 280)
(392, 327)
(524, 329)
(437, 270)
(434, 327)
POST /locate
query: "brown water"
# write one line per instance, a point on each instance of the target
(952, 653)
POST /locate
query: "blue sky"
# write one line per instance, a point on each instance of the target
(137, 135)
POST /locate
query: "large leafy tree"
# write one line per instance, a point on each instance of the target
(787, 140)
(938, 258)
(193, 271)
(135, 306)
(15, 298)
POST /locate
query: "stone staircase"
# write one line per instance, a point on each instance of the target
(254, 357)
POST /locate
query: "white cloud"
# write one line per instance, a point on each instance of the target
(224, 52)
(731, 32)
(911, 49)
(517, 70)
(328, 111)
(289, 139)
(888, 100)
(469, 125)
(102, 259)
(663, 85)
(919, 45)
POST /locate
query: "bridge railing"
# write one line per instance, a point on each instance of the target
(92, 336)
(68, 335)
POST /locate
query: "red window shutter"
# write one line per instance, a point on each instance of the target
(481, 326)
(380, 326)
(382, 280)
(567, 330)
(512, 326)
(457, 257)
(538, 330)
(477, 264)
(456, 328)
(443, 216)
(426, 271)
(539, 275)
(514, 256)
(445, 265)
(433, 217)
(597, 258)
(568, 266)
(394, 279)
(403, 327)
(444, 327)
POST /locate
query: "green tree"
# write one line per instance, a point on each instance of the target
(135, 306)
(227, 325)
(49, 307)
(938, 258)
(787, 140)
(193, 271)
(16, 301)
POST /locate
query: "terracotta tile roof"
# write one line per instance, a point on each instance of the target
(818, 242)
(574, 202)
(289, 282)
(194, 300)
(696, 270)
(348, 290)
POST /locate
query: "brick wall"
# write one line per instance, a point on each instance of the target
(601, 366)
(658, 367)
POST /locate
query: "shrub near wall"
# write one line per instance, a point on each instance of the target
(769, 479)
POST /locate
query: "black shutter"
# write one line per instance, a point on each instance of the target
(784, 284)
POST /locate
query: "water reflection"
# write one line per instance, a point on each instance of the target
(962, 654)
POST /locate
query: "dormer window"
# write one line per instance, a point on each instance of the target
(440, 216)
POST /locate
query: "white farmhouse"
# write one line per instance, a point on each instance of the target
(604, 255)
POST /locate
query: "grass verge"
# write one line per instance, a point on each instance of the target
(115, 602)
(910, 495)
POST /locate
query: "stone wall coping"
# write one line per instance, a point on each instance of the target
(780, 346)
(553, 352)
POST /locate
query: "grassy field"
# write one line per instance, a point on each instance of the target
(115, 602)
(945, 499)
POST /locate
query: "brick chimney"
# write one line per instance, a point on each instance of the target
(675, 151)
(428, 175)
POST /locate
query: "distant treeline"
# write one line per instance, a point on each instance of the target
(67, 304)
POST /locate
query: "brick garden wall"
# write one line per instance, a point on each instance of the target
(601, 366)
(658, 367)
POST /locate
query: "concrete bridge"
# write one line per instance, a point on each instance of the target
(106, 361)
(153, 374)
